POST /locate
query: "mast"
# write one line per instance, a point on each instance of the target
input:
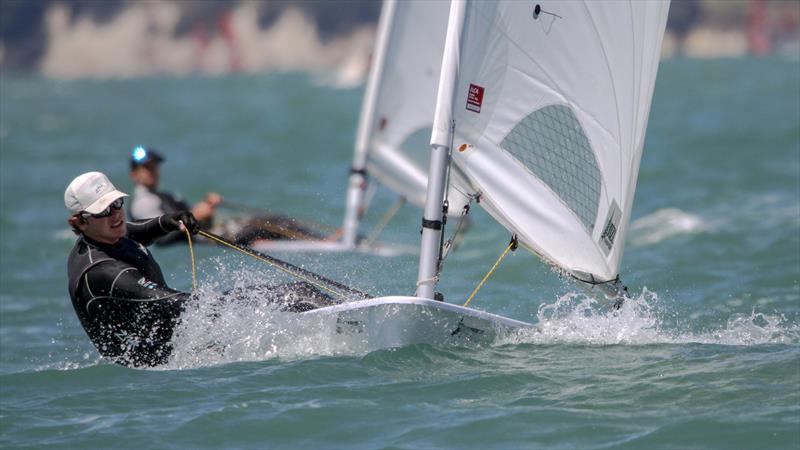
(441, 140)
(358, 174)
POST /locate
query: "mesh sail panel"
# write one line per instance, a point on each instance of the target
(551, 144)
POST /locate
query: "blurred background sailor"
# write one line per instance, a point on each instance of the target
(148, 201)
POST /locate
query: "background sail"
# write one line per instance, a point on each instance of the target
(551, 109)
(398, 149)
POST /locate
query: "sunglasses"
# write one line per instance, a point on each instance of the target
(116, 204)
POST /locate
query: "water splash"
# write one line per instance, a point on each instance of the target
(642, 320)
(254, 329)
(249, 328)
(754, 329)
(577, 318)
(214, 332)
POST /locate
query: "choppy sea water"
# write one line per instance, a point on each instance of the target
(707, 355)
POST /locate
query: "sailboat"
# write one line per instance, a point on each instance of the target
(542, 108)
(394, 126)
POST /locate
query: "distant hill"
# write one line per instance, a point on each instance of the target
(23, 37)
(111, 38)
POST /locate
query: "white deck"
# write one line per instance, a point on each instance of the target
(389, 322)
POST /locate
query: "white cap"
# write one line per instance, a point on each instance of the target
(91, 192)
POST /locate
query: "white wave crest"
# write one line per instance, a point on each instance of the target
(253, 329)
(577, 319)
(664, 224)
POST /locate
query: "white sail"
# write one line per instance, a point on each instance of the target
(406, 96)
(544, 106)
(551, 104)
(396, 117)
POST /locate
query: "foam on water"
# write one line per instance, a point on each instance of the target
(642, 320)
(213, 333)
(694, 366)
(664, 224)
(251, 328)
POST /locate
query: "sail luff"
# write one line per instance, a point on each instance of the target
(355, 191)
(441, 139)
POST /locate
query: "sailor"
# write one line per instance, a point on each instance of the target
(148, 201)
(117, 288)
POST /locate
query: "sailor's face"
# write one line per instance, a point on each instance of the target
(147, 174)
(107, 230)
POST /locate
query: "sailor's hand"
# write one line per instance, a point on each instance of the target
(183, 220)
(204, 210)
(213, 199)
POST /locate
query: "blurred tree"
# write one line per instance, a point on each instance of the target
(683, 15)
(21, 32)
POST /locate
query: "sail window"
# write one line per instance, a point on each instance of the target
(551, 144)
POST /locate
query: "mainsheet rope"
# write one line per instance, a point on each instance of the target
(191, 253)
(511, 246)
(295, 274)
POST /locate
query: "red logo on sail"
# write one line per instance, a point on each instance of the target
(475, 98)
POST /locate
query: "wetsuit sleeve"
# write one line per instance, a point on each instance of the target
(171, 204)
(121, 282)
(147, 231)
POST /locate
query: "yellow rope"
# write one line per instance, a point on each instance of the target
(283, 269)
(191, 253)
(511, 245)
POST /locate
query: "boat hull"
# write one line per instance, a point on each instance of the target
(390, 322)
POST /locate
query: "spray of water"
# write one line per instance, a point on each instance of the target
(217, 329)
(644, 319)
(252, 328)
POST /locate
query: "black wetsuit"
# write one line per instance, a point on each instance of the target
(121, 298)
(126, 307)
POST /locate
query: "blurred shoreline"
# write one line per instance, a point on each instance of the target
(123, 38)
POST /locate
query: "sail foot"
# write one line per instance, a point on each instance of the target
(611, 289)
